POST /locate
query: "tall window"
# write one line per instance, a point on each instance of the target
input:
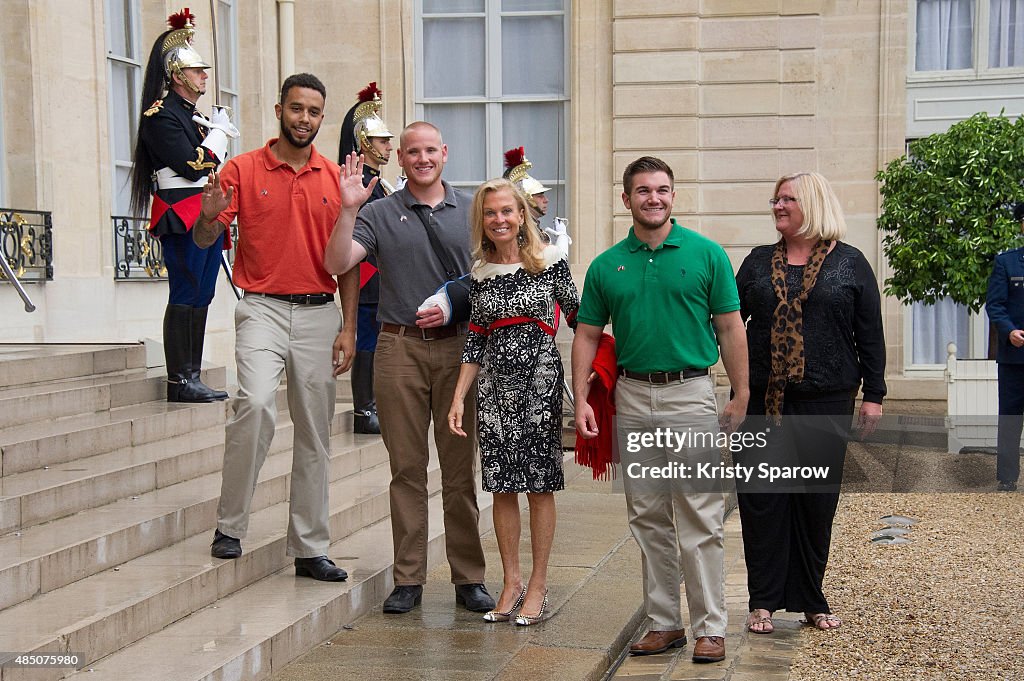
(227, 56)
(977, 35)
(492, 75)
(124, 63)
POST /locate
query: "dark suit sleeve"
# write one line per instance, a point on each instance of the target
(868, 336)
(996, 298)
(170, 145)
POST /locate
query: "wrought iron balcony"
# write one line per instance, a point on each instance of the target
(26, 244)
(138, 255)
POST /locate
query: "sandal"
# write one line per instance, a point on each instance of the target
(823, 621)
(764, 621)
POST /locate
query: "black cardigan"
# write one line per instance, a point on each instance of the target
(843, 339)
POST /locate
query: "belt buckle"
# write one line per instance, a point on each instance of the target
(663, 375)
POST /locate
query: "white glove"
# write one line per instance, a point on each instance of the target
(559, 236)
(440, 300)
(218, 120)
(217, 142)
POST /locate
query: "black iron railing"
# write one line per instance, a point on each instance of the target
(26, 244)
(138, 255)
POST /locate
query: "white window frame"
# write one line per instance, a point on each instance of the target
(229, 64)
(977, 339)
(493, 100)
(134, 18)
(979, 52)
(3, 152)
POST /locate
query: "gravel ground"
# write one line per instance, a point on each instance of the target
(946, 606)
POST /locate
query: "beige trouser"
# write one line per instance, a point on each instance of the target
(414, 380)
(678, 530)
(274, 337)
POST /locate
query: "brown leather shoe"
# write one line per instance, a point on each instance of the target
(709, 649)
(655, 642)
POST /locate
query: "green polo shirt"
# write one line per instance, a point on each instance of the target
(660, 302)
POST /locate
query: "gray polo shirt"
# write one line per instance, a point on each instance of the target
(390, 230)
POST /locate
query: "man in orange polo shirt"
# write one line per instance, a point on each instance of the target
(287, 198)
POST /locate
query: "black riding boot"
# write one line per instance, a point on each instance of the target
(198, 336)
(365, 420)
(178, 355)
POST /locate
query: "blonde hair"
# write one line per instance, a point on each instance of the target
(531, 247)
(823, 216)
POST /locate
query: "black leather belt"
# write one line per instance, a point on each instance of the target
(298, 298)
(663, 377)
(434, 333)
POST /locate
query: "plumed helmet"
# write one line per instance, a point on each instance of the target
(177, 49)
(362, 122)
(516, 172)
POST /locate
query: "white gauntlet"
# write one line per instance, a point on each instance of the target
(559, 236)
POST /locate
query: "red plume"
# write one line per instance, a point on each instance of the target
(514, 157)
(368, 92)
(181, 19)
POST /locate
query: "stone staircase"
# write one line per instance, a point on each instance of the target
(108, 501)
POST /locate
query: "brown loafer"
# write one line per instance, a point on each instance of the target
(655, 642)
(709, 649)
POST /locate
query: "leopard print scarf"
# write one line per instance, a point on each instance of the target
(787, 342)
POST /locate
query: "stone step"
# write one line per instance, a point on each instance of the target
(100, 615)
(261, 628)
(45, 557)
(29, 364)
(45, 494)
(89, 394)
(34, 445)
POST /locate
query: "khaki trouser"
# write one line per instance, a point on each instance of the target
(274, 337)
(677, 530)
(414, 380)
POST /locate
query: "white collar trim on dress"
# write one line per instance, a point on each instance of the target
(488, 270)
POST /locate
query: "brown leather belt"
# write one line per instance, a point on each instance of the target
(664, 377)
(298, 298)
(434, 333)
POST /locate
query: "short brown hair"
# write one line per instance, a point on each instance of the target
(645, 164)
(306, 80)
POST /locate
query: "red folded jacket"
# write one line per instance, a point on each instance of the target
(600, 452)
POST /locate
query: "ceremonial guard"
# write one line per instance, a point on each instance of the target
(364, 132)
(177, 148)
(517, 168)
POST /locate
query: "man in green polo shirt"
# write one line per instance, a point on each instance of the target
(670, 295)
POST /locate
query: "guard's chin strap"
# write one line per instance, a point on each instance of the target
(367, 147)
(181, 74)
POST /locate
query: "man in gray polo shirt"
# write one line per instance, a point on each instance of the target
(417, 361)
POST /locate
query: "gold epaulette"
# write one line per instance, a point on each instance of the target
(156, 106)
(199, 163)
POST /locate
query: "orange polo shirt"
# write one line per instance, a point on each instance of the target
(284, 221)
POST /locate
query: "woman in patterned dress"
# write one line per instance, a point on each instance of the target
(510, 350)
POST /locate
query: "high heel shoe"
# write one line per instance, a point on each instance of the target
(497, 616)
(527, 620)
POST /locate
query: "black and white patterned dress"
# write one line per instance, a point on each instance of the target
(519, 389)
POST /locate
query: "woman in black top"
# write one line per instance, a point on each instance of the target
(814, 333)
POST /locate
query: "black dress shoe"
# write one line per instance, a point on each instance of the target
(474, 597)
(319, 567)
(1007, 486)
(403, 599)
(224, 546)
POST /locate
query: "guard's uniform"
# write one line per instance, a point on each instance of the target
(361, 124)
(173, 158)
(173, 142)
(1004, 304)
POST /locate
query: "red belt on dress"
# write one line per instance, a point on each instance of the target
(511, 321)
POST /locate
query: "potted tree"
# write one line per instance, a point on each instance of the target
(946, 212)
